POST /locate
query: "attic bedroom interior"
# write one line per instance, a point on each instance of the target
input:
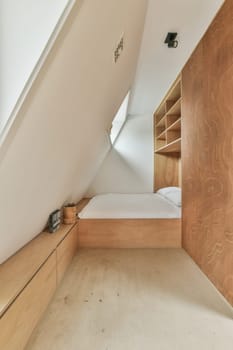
(116, 175)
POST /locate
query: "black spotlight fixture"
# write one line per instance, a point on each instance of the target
(171, 40)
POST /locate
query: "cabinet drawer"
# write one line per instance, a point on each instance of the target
(18, 322)
(66, 250)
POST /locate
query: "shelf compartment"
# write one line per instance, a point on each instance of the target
(169, 104)
(172, 147)
(173, 135)
(175, 93)
(159, 130)
(175, 110)
(162, 122)
(161, 143)
(160, 113)
(158, 118)
(162, 135)
(173, 122)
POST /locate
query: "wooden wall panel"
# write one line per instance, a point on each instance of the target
(166, 172)
(207, 153)
(129, 233)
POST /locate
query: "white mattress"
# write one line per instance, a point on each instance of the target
(130, 206)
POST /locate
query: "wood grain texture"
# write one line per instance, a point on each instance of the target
(66, 250)
(21, 267)
(18, 322)
(207, 158)
(129, 233)
(166, 171)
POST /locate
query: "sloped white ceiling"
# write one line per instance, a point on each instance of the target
(56, 144)
(158, 65)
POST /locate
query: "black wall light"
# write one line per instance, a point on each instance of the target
(171, 40)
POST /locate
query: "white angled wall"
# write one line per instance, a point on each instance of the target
(59, 137)
(128, 167)
(25, 26)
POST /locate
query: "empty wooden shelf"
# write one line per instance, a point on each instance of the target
(167, 139)
(172, 147)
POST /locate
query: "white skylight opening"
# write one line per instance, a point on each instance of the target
(119, 119)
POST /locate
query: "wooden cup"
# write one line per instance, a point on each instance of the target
(69, 214)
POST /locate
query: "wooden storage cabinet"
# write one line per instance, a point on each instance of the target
(66, 251)
(17, 324)
(28, 281)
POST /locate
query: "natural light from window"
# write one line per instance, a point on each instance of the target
(119, 119)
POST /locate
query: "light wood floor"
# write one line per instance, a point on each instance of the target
(135, 299)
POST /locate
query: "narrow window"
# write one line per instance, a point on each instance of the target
(119, 119)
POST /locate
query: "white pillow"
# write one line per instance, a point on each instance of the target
(173, 194)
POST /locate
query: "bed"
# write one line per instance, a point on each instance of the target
(132, 220)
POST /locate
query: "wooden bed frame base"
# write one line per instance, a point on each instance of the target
(129, 233)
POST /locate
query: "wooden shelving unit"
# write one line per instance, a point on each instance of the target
(167, 120)
(173, 146)
(167, 136)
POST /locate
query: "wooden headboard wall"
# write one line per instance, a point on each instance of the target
(207, 153)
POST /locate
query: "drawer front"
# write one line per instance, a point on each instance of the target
(66, 250)
(18, 322)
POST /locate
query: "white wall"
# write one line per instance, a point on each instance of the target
(159, 66)
(59, 138)
(128, 167)
(26, 26)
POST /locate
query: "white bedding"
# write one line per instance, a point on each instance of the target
(130, 206)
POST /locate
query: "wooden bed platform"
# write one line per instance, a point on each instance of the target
(129, 233)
